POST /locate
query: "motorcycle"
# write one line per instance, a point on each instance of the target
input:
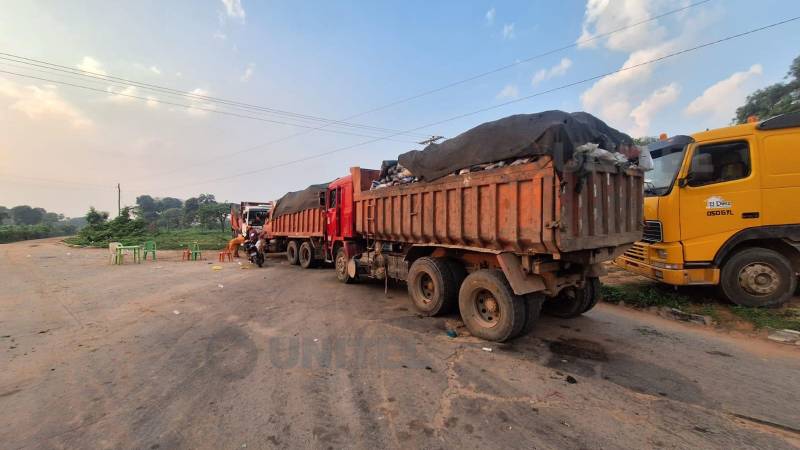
(254, 251)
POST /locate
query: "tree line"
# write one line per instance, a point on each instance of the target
(171, 213)
(25, 222)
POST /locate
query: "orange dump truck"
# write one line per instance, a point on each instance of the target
(497, 244)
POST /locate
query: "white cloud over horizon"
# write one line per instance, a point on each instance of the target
(41, 103)
(89, 64)
(604, 16)
(556, 71)
(509, 91)
(508, 31)
(721, 99)
(248, 73)
(234, 9)
(490, 15)
(643, 114)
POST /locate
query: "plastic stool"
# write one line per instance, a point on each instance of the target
(225, 253)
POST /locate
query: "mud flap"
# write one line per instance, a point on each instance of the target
(520, 282)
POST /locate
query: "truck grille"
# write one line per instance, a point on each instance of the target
(652, 231)
(637, 252)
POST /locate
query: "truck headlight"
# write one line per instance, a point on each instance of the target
(668, 266)
(662, 254)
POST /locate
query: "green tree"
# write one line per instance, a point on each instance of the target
(5, 214)
(645, 140)
(147, 208)
(205, 199)
(169, 203)
(211, 214)
(25, 215)
(95, 217)
(50, 218)
(779, 98)
(190, 208)
(171, 218)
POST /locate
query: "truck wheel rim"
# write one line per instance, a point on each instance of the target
(426, 287)
(759, 278)
(341, 265)
(487, 308)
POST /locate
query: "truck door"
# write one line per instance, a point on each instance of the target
(719, 195)
(332, 213)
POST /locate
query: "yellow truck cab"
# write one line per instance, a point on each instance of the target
(722, 207)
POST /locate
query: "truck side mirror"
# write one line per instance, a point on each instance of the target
(683, 182)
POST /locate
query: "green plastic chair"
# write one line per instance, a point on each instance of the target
(149, 247)
(194, 251)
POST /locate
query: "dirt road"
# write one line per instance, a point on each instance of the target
(177, 355)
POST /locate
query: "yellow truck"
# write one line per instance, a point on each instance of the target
(722, 207)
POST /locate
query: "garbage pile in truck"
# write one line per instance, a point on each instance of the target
(569, 138)
(298, 201)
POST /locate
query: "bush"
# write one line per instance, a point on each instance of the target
(14, 233)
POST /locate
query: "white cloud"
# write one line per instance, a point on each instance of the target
(655, 102)
(721, 99)
(89, 64)
(39, 103)
(234, 9)
(611, 96)
(152, 101)
(122, 95)
(126, 96)
(219, 35)
(155, 70)
(490, 14)
(248, 73)
(510, 91)
(508, 31)
(198, 103)
(605, 16)
(556, 71)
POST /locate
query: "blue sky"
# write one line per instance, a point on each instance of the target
(65, 148)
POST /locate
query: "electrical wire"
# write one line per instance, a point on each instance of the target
(196, 107)
(48, 66)
(528, 97)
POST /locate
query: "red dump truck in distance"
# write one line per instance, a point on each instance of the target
(498, 245)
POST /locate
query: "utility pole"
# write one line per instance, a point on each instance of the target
(119, 200)
(430, 140)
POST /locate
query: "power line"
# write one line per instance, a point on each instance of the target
(528, 97)
(195, 107)
(441, 88)
(52, 67)
(72, 184)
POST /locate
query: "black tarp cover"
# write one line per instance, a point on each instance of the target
(512, 137)
(296, 201)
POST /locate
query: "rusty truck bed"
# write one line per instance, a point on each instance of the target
(524, 209)
(302, 224)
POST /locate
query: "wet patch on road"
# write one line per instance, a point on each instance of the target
(591, 359)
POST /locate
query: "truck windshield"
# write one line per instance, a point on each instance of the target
(666, 162)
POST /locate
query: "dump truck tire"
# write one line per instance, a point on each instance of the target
(432, 286)
(305, 256)
(572, 302)
(489, 307)
(292, 253)
(533, 311)
(340, 264)
(757, 277)
(596, 294)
